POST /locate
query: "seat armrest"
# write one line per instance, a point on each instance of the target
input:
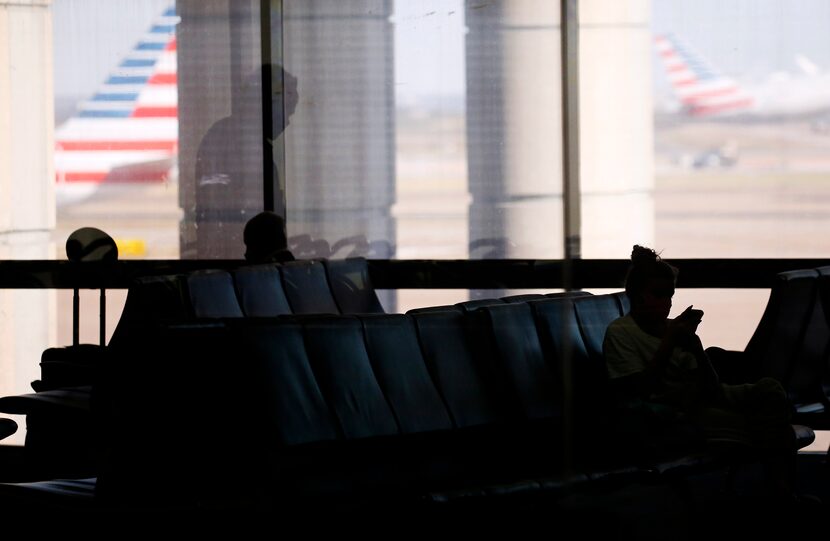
(733, 367)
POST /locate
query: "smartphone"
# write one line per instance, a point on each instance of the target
(692, 314)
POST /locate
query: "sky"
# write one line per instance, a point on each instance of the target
(749, 39)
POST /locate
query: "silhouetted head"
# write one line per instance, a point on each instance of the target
(284, 96)
(650, 284)
(265, 238)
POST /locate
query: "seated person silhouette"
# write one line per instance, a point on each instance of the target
(265, 239)
(659, 370)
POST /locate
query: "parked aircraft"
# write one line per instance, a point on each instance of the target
(702, 91)
(127, 131)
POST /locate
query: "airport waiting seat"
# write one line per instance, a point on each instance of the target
(824, 299)
(523, 297)
(573, 293)
(583, 376)
(151, 299)
(790, 344)
(808, 369)
(436, 308)
(399, 366)
(351, 286)
(779, 333)
(594, 313)
(391, 413)
(211, 294)
(473, 304)
(260, 291)
(622, 299)
(338, 357)
(518, 359)
(285, 378)
(468, 387)
(7, 427)
(307, 287)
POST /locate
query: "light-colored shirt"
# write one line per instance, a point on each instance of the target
(628, 349)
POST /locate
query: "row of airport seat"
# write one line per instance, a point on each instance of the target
(59, 427)
(791, 343)
(369, 413)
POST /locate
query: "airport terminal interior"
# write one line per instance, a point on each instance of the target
(459, 185)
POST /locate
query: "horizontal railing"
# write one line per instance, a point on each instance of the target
(422, 273)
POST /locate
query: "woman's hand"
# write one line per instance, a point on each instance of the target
(682, 330)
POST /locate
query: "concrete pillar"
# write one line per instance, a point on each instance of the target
(617, 127)
(340, 142)
(27, 197)
(514, 128)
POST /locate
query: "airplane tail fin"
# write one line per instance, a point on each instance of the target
(128, 130)
(701, 90)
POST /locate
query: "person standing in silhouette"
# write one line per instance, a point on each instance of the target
(228, 168)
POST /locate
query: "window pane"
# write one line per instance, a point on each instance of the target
(116, 124)
(425, 128)
(702, 135)
(220, 125)
(741, 105)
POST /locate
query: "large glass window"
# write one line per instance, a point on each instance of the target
(703, 136)
(116, 123)
(416, 129)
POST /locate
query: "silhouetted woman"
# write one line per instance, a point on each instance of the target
(658, 365)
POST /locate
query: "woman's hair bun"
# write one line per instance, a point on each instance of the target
(641, 255)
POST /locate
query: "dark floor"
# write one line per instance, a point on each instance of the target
(705, 507)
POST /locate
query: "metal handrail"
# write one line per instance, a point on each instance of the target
(419, 273)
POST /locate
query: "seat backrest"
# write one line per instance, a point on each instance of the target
(260, 292)
(584, 378)
(519, 359)
(291, 400)
(807, 370)
(307, 287)
(593, 315)
(344, 372)
(436, 308)
(211, 294)
(523, 298)
(351, 286)
(150, 299)
(624, 302)
(469, 306)
(400, 369)
(824, 299)
(466, 385)
(780, 332)
(564, 347)
(574, 293)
